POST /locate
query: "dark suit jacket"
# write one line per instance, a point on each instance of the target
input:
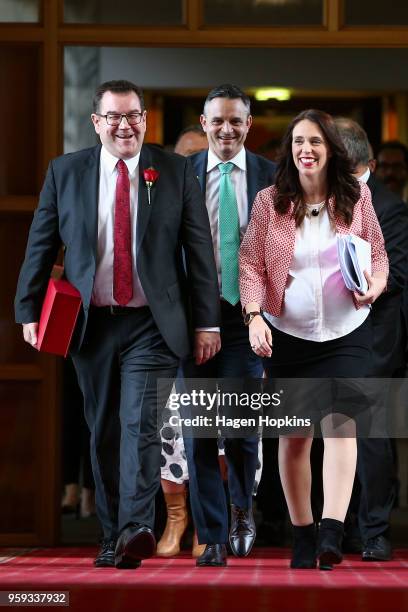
(176, 218)
(260, 173)
(404, 314)
(392, 214)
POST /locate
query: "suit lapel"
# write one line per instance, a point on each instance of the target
(256, 179)
(371, 184)
(89, 190)
(143, 207)
(200, 168)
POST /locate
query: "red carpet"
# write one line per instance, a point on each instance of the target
(260, 583)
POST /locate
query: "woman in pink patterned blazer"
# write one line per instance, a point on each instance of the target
(289, 269)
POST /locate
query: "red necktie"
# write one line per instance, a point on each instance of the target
(122, 242)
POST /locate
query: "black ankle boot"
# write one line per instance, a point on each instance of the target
(329, 543)
(304, 547)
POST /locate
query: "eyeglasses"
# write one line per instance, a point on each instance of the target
(115, 119)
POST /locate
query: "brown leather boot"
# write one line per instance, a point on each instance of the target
(197, 549)
(177, 520)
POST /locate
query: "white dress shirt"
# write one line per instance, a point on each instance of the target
(317, 304)
(212, 199)
(365, 176)
(102, 294)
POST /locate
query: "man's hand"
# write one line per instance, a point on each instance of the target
(206, 345)
(30, 333)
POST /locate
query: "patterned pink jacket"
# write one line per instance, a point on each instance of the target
(268, 245)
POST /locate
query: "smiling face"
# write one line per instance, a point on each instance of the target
(123, 141)
(309, 149)
(226, 122)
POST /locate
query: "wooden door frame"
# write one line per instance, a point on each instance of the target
(52, 35)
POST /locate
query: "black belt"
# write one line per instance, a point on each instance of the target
(117, 310)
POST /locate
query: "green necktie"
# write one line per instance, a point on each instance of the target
(229, 235)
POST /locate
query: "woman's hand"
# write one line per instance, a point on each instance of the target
(376, 285)
(260, 337)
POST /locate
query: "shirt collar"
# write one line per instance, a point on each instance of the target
(109, 161)
(364, 177)
(239, 160)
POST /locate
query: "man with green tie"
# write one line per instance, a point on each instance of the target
(230, 177)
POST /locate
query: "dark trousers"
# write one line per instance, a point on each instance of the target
(375, 489)
(376, 473)
(76, 456)
(270, 499)
(122, 358)
(207, 493)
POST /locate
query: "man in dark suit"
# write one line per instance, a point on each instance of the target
(227, 167)
(124, 232)
(375, 465)
(391, 167)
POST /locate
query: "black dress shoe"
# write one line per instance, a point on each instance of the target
(242, 533)
(106, 554)
(329, 543)
(136, 542)
(215, 555)
(377, 549)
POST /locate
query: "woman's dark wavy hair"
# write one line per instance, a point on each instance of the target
(341, 183)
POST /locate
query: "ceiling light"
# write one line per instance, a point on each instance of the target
(272, 93)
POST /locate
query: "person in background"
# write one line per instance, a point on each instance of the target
(392, 167)
(192, 139)
(375, 464)
(372, 162)
(312, 326)
(79, 486)
(174, 470)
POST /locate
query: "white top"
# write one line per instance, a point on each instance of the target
(365, 176)
(317, 304)
(102, 294)
(239, 181)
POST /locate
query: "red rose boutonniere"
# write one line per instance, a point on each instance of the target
(150, 176)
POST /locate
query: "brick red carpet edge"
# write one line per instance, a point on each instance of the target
(261, 583)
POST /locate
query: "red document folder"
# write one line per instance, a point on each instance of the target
(58, 317)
